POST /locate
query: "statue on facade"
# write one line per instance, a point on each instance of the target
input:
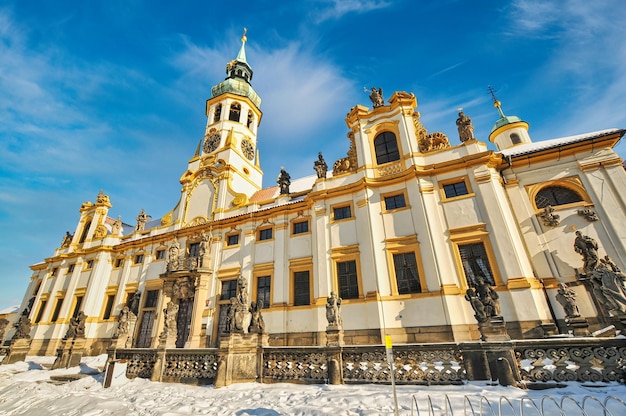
(284, 180)
(465, 127)
(257, 324)
(567, 298)
(611, 265)
(488, 296)
(609, 289)
(376, 97)
(170, 312)
(205, 245)
(133, 302)
(174, 253)
(320, 166)
(588, 248)
(142, 219)
(116, 228)
(588, 214)
(333, 313)
(122, 321)
(67, 239)
(77, 326)
(242, 290)
(22, 328)
(477, 305)
(184, 288)
(549, 218)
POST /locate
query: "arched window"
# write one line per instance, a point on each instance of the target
(250, 118)
(235, 109)
(515, 139)
(386, 147)
(218, 113)
(556, 195)
(83, 236)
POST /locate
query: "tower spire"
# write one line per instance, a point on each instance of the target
(241, 56)
(497, 104)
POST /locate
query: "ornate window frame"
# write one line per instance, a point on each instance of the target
(339, 206)
(571, 182)
(377, 130)
(469, 235)
(232, 234)
(403, 245)
(297, 220)
(344, 254)
(458, 179)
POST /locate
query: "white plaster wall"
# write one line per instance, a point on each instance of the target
(299, 247)
(200, 201)
(462, 213)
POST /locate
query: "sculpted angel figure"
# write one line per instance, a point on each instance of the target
(376, 96)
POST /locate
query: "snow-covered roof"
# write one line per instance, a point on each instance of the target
(528, 148)
(10, 309)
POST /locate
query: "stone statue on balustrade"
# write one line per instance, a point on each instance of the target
(485, 302)
(465, 127)
(122, 322)
(142, 219)
(22, 327)
(333, 311)
(67, 239)
(477, 305)
(257, 325)
(376, 97)
(171, 313)
(77, 326)
(488, 296)
(320, 166)
(283, 181)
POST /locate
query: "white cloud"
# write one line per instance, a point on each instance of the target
(336, 9)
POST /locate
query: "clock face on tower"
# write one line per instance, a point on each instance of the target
(247, 148)
(211, 142)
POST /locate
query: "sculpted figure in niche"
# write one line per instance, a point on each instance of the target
(67, 239)
(376, 97)
(567, 298)
(588, 248)
(333, 315)
(320, 166)
(465, 127)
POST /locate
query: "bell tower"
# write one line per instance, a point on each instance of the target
(225, 171)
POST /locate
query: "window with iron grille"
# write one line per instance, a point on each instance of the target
(476, 263)
(347, 280)
(556, 195)
(301, 288)
(407, 276)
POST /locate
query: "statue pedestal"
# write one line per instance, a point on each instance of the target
(579, 326)
(17, 351)
(70, 353)
(619, 321)
(167, 340)
(494, 330)
(239, 358)
(334, 336)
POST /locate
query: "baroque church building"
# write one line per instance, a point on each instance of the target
(407, 230)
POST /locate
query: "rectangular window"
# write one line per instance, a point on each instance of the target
(300, 227)
(229, 289)
(57, 310)
(160, 254)
(79, 302)
(394, 202)
(265, 234)
(455, 189)
(232, 240)
(194, 249)
(70, 268)
(347, 280)
(109, 307)
(139, 258)
(89, 265)
(407, 276)
(301, 288)
(55, 272)
(341, 213)
(152, 296)
(40, 312)
(263, 290)
(475, 263)
(119, 262)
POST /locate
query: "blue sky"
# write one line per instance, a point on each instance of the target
(110, 95)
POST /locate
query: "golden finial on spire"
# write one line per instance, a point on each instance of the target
(497, 104)
(243, 37)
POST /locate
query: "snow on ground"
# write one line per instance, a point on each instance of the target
(26, 389)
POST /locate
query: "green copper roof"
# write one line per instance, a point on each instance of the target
(236, 86)
(504, 120)
(241, 56)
